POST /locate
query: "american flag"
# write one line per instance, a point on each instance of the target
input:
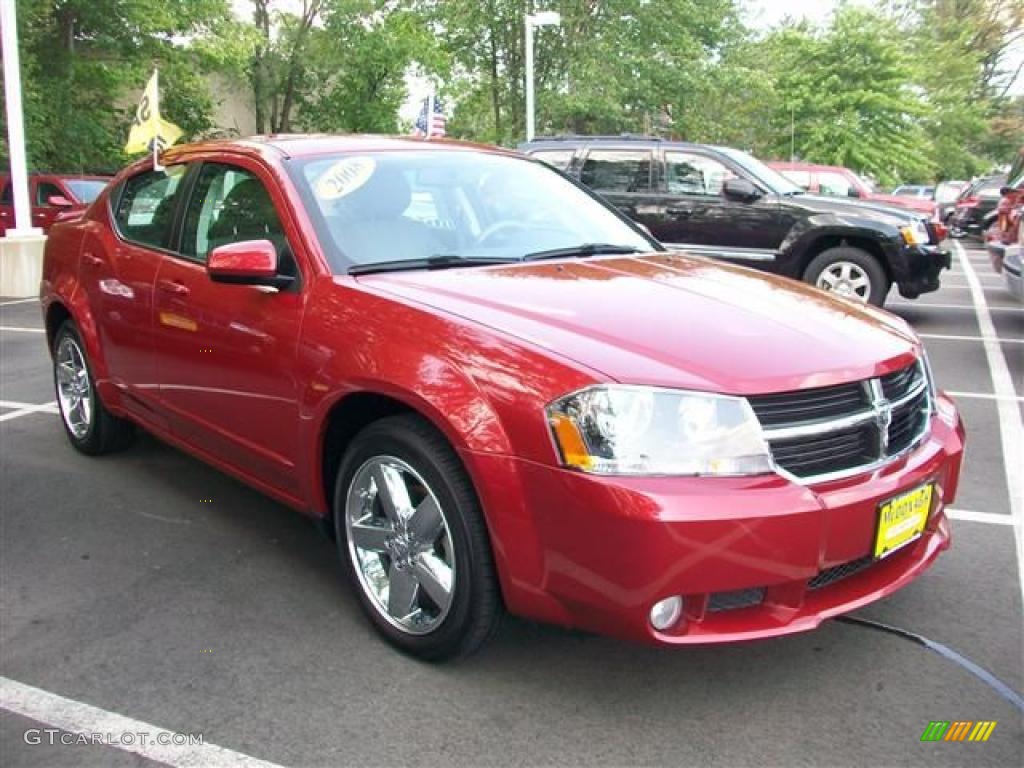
(438, 121)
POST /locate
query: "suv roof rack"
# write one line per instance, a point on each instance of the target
(589, 137)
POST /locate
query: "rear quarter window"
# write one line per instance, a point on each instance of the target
(145, 207)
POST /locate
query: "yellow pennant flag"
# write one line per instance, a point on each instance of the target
(149, 130)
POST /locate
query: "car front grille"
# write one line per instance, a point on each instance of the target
(831, 432)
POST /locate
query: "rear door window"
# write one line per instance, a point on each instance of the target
(613, 170)
(45, 190)
(833, 184)
(146, 205)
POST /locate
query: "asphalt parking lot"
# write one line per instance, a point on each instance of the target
(149, 586)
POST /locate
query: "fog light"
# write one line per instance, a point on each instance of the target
(666, 612)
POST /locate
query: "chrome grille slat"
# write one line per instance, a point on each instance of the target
(831, 432)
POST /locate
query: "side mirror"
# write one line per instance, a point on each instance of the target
(853, 192)
(59, 201)
(250, 262)
(741, 190)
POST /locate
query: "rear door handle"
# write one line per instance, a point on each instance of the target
(173, 287)
(92, 260)
(677, 211)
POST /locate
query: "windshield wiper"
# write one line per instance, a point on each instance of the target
(585, 249)
(437, 261)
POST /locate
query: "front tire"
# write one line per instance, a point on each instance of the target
(412, 536)
(90, 427)
(850, 272)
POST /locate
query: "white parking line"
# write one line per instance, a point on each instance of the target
(1011, 429)
(970, 516)
(929, 305)
(16, 301)
(118, 731)
(986, 396)
(19, 329)
(26, 409)
(953, 337)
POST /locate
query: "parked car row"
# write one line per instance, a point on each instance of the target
(975, 209)
(52, 197)
(1004, 239)
(724, 203)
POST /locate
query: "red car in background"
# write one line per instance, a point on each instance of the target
(836, 181)
(514, 401)
(1002, 239)
(51, 196)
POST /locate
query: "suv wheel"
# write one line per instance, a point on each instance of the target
(90, 427)
(412, 534)
(849, 272)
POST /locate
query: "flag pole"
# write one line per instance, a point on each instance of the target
(430, 112)
(156, 111)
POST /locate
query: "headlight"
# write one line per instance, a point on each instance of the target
(625, 430)
(916, 234)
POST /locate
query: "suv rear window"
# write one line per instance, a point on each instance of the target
(617, 170)
(556, 158)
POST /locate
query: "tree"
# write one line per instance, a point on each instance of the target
(85, 61)
(848, 91)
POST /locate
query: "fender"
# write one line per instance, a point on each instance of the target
(829, 225)
(473, 398)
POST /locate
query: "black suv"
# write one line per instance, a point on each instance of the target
(721, 202)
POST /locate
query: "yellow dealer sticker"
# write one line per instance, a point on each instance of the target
(344, 177)
(902, 519)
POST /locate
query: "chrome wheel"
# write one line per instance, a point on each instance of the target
(847, 279)
(400, 545)
(74, 392)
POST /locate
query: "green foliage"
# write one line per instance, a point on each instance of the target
(357, 65)
(910, 90)
(84, 62)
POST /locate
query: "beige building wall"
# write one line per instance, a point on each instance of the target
(232, 106)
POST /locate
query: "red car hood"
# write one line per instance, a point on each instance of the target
(670, 320)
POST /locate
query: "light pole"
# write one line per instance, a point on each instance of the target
(15, 123)
(540, 19)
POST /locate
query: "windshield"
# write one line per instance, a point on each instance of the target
(86, 190)
(376, 207)
(769, 178)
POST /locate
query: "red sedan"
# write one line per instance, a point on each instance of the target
(500, 393)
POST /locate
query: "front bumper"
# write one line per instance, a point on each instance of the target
(609, 548)
(916, 268)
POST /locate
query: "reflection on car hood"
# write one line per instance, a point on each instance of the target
(880, 211)
(670, 320)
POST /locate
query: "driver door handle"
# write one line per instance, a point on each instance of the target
(674, 210)
(173, 287)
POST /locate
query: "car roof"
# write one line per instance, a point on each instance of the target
(307, 145)
(620, 141)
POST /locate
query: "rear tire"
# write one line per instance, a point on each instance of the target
(418, 554)
(90, 427)
(849, 272)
